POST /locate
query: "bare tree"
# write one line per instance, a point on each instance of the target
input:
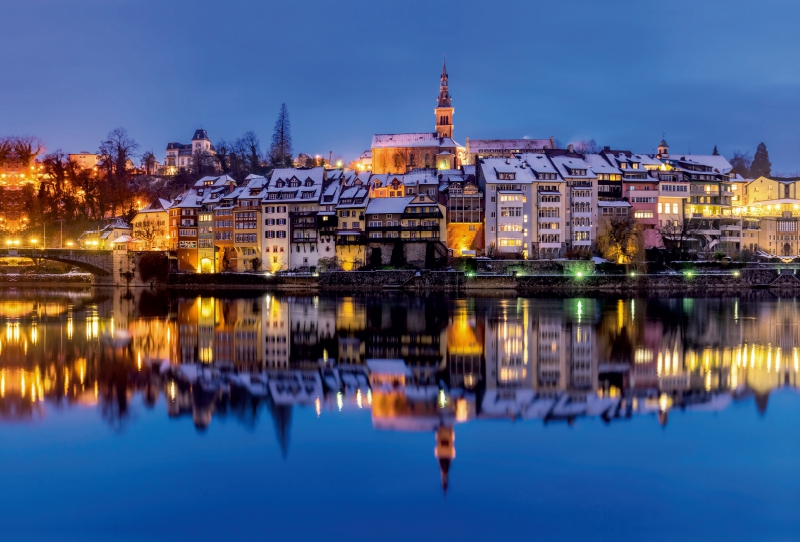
(222, 155)
(620, 239)
(400, 160)
(678, 236)
(252, 147)
(115, 153)
(202, 163)
(27, 148)
(305, 160)
(741, 163)
(148, 231)
(280, 151)
(586, 147)
(149, 162)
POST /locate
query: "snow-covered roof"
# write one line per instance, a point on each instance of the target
(492, 167)
(158, 205)
(117, 224)
(718, 162)
(478, 146)
(539, 163)
(567, 166)
(421, 177)
(388, 205)
(599, 165)
(280, 185)
(358, 194)
(422, 139)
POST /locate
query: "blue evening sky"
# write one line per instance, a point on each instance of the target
(621, 72)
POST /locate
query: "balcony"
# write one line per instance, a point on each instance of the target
(701, 191)
(302, 213)
(304, 239)
(351, 239)
(422, 215)
(420, 228)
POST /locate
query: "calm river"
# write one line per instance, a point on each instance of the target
(390, 417)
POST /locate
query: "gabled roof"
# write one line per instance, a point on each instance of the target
(388, 205)
(421, 139)
(477, 146)
(539, 163)
(157, 205)
(491, 167)
(566, 165)
(600, 164)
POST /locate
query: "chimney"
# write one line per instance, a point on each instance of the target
(606, 148)
(570, 148)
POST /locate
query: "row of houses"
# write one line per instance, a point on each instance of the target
(542, 204)
(299, 219)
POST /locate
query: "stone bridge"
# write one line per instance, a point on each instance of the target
(99, 263)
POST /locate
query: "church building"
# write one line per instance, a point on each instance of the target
(400, 153)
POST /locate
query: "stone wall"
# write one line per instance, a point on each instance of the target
(538, 267)
(354, 280)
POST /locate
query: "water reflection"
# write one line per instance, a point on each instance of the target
(418, 363)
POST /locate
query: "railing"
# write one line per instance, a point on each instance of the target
(422, 215)
(304, 239)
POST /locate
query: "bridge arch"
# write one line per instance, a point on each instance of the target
(97, 262)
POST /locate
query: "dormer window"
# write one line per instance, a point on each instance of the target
(506, 176)
(309, 182)
(294, 183)
(280, 184)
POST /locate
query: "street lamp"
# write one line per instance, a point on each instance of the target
(34, 241)
(69, 244)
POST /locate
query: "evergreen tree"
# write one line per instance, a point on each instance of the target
(761, 165)
(716, 152)
(280, 152)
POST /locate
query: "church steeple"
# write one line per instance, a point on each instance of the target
(444, 93)
(444, 107)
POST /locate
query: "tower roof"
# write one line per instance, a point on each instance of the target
(200, 134)
(663, 144)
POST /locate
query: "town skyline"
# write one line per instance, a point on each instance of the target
(625, 95)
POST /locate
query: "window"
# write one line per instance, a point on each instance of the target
(205, 243)
(187, 233)
(675, 208)
(643, 214)
(660, 210)
(510, 242)
(510, 211)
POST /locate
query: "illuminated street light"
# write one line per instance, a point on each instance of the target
(69, 243)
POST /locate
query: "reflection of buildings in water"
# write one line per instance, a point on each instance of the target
(465, 345)
(490, 357)
(275, 325)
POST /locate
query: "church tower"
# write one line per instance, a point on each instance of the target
(663, 149)
(444, 108)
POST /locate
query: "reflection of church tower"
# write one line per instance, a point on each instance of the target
(445, 452)
(444, 108)
(282, 418)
